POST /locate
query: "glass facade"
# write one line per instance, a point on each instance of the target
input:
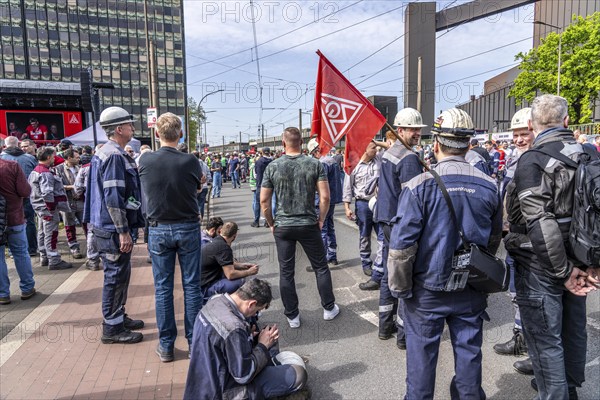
(54, 40)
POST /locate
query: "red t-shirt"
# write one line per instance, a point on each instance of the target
(37, 134)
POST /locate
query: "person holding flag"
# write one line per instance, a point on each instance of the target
(399, 164)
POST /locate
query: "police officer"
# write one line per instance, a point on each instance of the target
(333, 172)
(398, 165)
(113, 208)
(422, 244)
(523, 138)
(549, 294)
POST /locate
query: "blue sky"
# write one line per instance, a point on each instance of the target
(220, 55)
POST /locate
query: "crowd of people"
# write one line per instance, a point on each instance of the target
(35, 131)
(422, 204)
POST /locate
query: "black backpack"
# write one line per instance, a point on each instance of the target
(584, 233)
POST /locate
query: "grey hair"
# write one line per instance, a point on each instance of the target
(11, 141)
(548, 111)
(110, 130)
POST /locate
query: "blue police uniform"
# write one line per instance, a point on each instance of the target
(398, 166)
(333, 172)
(113, 179)
(422, 245)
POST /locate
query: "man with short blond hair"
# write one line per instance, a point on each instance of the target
(170, 181)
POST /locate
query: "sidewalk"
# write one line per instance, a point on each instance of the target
(56, 351)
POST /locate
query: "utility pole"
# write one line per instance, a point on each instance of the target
(152, 96)
(262, 130)
(300, 120)
(223, 151)
(240, 146)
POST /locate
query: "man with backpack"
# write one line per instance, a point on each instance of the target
(551, 283)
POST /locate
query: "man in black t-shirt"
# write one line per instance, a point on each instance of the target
(170, 181)
(220, 272)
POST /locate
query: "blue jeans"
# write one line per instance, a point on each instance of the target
(256, 205)
(235, 179)
(554, 322)
(31, 228)
(17, 243)
(201, 197)
(425, 314)
(328, 235)
(217, 183)
(164, 242)
(117, 271)
(223, 285)
(364, 219)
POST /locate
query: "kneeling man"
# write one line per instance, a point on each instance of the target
(220, 272)
(230, 360)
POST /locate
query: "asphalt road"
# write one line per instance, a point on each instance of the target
(346, 359)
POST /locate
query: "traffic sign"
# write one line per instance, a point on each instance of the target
(151, 115)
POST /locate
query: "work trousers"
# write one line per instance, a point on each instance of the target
(117, 271)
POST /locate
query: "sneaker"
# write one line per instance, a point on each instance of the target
(328, 315)
(132, 324)
(294, 323)
(28, 295)
(43, 261)
(164, 355)
(254, 224)
(61, 265)
(4, 300)
(369, 285)
(76, 254)
(126, 337)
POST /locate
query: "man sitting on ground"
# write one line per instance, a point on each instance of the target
(213, 228)
(220, 272)
(231, 361)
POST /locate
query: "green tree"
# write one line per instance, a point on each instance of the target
(579, 71)
(194, 119)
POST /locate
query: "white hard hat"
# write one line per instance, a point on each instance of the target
(115, 116)
(289, 358)
(409, 118)
(312, 145)
(519, 120)
(453, 128)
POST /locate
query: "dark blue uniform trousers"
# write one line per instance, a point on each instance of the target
(117, 271)
(424, 316)
(388, 304)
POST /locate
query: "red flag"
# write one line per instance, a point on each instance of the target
(341, 110)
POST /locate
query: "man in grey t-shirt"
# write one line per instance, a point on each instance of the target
(295, 178)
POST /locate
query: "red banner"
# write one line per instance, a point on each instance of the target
(341, 110)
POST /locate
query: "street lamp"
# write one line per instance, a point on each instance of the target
(202, 117)
(559, 50)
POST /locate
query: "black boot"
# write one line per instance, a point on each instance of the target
(524, 367)
(514, 347)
